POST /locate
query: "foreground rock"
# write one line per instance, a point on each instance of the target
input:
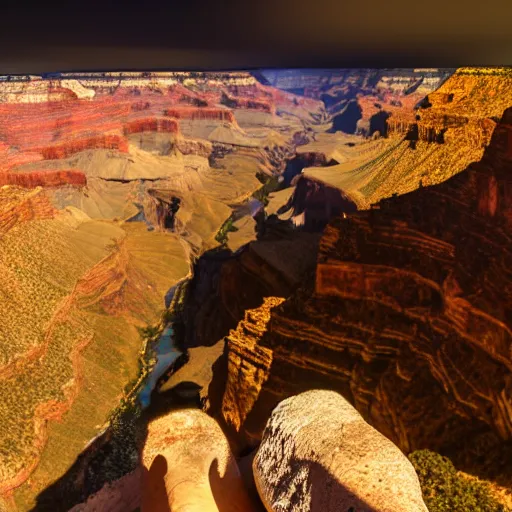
(318, 454)
(188, 467)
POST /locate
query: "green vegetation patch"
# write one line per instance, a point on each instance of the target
(446, 490)
(227, 227)
(270, 184)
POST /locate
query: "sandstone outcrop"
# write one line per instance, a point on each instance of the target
(188, 466)
(198, 147)
(318, 454)
(66, 149)
(244, 343)
(152, 125)
(46, 179)
(408, 317)
(206, 113)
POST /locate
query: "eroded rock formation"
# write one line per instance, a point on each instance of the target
(463, 110)
(408, 317)
(20, 206)
(215, 303)
(429, 144)
(206, 113)
(116, 183)
(314, 203)
(66, 149)
(318, 454)
(46, 179)
(152, 124)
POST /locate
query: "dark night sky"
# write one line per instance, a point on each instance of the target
(149, 34)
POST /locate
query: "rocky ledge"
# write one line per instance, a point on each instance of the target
(409, 317)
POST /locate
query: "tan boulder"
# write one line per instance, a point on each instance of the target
(188, 467)
(319, 455)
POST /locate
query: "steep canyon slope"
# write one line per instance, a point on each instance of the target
(450, 129)
(407, 315)
(111, 185)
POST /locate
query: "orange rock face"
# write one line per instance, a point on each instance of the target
(21, 206)
(75, 146)
(409, 317)
(47, 179)
(207, 113)
(152, 125)
(460, 110)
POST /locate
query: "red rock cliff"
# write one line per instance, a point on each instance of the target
(206, 113)
(74, 146)
(152, 124)
(44, 178)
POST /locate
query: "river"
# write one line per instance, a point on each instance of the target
(166, 353)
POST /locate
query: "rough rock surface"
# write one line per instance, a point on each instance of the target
(188, 466)
(18, 205)
(46, 178)
(319, 455)
(408, 316)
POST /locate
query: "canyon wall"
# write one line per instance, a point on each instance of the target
(464, 109)
(45, 178)
(204, 113)
(408, 316)
(101, 252)
(64, 150)
(425, 146)
(152, 124)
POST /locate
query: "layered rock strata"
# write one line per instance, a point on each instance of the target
(45, 179)
(408, 317)
(427, 145)
(118, 176)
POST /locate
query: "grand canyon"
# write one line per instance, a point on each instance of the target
(276, 274)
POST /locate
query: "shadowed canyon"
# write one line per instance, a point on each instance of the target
(200, 270)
